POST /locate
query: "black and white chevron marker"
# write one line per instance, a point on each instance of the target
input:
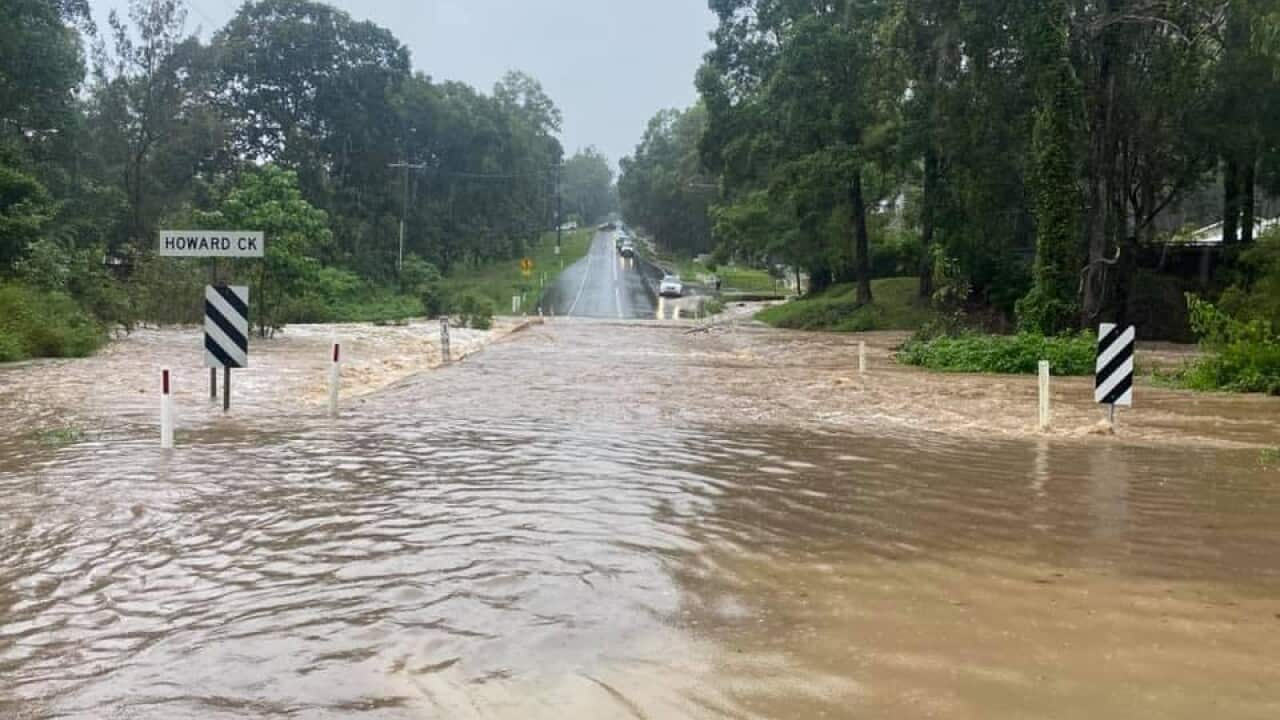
(1113, 384)
(226, 327)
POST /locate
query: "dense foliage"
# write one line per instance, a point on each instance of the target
(663, 188)
(1009, 354)
(294, 119)
(588, 193)
(1244, 356)
(1047, 150)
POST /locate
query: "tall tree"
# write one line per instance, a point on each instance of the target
(664, 188)
(588, 185)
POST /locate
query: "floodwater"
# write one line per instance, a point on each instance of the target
(594, 520)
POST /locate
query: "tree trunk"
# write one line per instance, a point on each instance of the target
(1230, 202)
(1248, 182)
(861, 241)
(927, 220)
(1101, 169)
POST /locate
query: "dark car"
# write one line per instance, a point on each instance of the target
(628, 250)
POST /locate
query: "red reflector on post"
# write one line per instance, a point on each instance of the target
(165, 381)
(336, 348)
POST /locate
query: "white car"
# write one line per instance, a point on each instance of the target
(671, 286)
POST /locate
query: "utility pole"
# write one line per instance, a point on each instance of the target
(404, 207)
(559, 219)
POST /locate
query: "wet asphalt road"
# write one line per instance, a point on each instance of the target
(604, 285)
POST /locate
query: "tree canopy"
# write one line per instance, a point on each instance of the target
(1043, 150)
(150, 125)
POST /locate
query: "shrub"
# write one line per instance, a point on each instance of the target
(35, 323)
(10, 348)
(1007, 354)
(477, 311)
(57, 267)
(1244, 356)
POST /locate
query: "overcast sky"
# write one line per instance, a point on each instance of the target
(609, 64)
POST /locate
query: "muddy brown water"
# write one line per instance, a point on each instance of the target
(565, 526)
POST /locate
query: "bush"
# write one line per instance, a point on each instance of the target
(56, 267)
(35, 323)
(1007, 354)
(1244, 356)
(476, 311)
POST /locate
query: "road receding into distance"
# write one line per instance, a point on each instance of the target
(604, 285)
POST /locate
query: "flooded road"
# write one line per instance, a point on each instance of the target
(607, 520)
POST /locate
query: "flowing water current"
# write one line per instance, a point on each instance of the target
(541, 531)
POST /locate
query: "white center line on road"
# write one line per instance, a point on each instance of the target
(583, 286)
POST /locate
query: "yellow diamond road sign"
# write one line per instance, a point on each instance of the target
(526, 266)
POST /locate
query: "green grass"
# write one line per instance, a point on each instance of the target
(747, 280)
(500, 281)
(1006, 354)
(35, 323)
(895, 306)
(733, 279)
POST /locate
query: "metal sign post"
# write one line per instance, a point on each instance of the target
(1113, 382)
(445, 352)
(226, 326)
(226, 333)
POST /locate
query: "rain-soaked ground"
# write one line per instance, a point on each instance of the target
(593, 520)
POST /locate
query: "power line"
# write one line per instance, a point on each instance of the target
(469, 175)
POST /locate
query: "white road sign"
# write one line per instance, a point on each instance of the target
(211, 243)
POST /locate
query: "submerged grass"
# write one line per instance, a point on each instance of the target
(1270, 458)
(60, 436)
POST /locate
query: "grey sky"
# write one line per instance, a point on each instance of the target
(608, 64)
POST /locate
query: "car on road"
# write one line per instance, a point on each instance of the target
(671, 286)
(628, 250)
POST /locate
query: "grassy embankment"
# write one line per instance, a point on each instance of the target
(895, 306)
(35, 323)
(499, 281)
(736, 283)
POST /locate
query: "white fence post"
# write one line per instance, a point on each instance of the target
(166, 411)
(335, 377)
(1045, 416)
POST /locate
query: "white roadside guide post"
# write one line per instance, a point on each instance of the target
(515, 304)
(166, 411)
(862, 357)
(1045, 417)
(445, 353)
(1113, 384)
(335, 378)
